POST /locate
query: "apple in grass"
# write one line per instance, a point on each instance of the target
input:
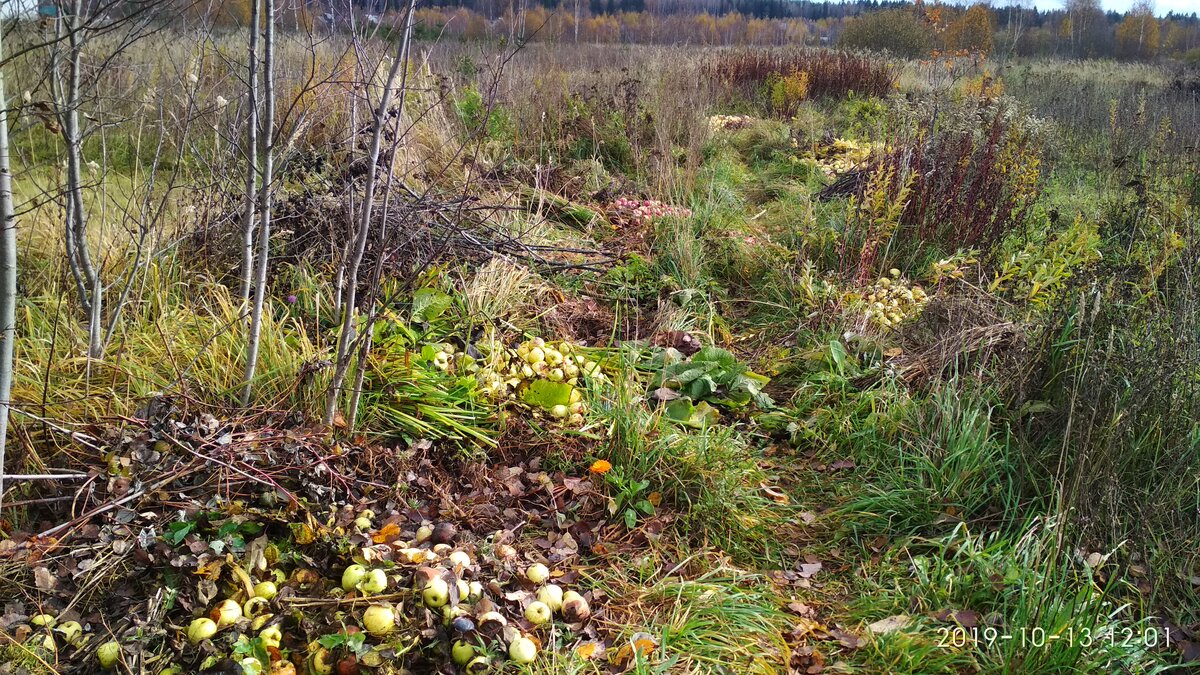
(522, 651)
(537, 613)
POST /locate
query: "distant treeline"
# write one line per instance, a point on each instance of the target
(1081, 29)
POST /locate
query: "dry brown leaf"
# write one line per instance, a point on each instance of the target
(846, 639)
(43, 579)
(210, 570)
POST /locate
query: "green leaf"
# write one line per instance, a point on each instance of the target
(720, 357)
(686, 373)
(178, 531)
(547, 394)
(357, 643)
(702, 387)
(332, 641)
(630, 518)
(428, 304)
(698, 415)
(837, 355)
(252, 647)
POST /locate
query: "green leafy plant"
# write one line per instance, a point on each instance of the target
(252, 647)
(631, 500)
(711, 374)
(354, 642)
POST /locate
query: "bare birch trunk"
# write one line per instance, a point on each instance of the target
(265, 192)
(8, 274)
(73, 139)
(251, 150)
(348, 331)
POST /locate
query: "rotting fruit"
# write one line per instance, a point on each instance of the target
(108, 654)
(71, 632)
(462, 652)
(226, 613)
(266, 590)
(552, 596)
(379, 620)
(374, 583)
(575, 607)
(436, 593)
(201, 629)
(353, 576)
(537, 612)
(522, 651)
(271, 636)
(537, 573)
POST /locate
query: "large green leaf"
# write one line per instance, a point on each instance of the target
(547, 394)
(428, 304)
(698, 415)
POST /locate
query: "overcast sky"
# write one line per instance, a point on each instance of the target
(1161, 7)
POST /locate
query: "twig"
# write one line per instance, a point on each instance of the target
(46, 476)
(326, 602)
(77, 436)
(123, 500)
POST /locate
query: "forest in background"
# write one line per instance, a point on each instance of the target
(1080, 30)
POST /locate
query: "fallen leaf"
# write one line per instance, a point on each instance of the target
(805, 627)
(802, 609)
(808, 660)
(302, 533)
(387, 534)
(211, 570)
(775, 494)
(808, 569)
(664, 394)
(641, 645)
(964, 618)
(589, 650)
(889, 625)
(206, 590)
(846, 639)
(43, 579)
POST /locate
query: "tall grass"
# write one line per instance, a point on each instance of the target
(183, 337)
(833, 74)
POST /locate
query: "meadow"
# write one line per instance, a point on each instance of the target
(778, 360)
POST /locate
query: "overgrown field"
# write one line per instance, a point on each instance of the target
(772, 361)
